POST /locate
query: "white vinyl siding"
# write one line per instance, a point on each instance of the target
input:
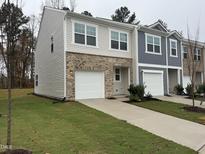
(50, 66)
(173, 48)
(119, 40)
(103, 37)
(153, 44)
(85, 34)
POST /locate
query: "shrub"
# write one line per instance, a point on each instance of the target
(179, 90)
(189, 89)
(201, 89)
(148, 95)
(133, 98)
(136, 92)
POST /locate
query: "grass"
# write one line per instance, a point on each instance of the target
(72, 128)
(173, 109)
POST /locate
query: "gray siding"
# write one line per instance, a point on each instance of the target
(174, 61)
(158, 69)
(150, 58)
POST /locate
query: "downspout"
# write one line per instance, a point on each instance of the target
(167, 73)
(182, 63)
(136, 54)
(64, 54)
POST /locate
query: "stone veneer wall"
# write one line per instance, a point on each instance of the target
(85, 62)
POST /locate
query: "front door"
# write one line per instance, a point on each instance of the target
(120, 80)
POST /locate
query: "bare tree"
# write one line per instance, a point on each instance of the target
(72, 5)
(58, 4)
(11, 21)
(33, 26)
(192, 64)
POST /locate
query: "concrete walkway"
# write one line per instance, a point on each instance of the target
(181, 100)
(183, 132)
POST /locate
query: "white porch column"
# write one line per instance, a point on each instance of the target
(178, 76)
(202, 77)
(129, 77)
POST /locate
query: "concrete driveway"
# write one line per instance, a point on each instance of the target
(181, 100)
(183, 132)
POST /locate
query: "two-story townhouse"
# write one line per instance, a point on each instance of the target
(80, 57)
(199, 61)
(159, 64)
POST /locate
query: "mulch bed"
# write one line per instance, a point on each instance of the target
(145, 99)
(194, 109)
(17, 151)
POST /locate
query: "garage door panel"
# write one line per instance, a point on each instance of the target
(89, 85)
(154, 83)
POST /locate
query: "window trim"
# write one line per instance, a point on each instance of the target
(160, 42)
(120, 74)
(170, 46)
(118, 31)
(86, 24)
(196, 53)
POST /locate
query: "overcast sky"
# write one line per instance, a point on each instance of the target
(176, 13)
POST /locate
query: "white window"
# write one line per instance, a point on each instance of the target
(185, 52)
(119, 40)
(85, 34)
(118, 74)
(153, 44)
(173, 48)
(197, 55)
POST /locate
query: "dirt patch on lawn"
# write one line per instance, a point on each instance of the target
(18, 151)
(194, 109)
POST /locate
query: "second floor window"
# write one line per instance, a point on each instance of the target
(173, 48)
(153, 44)
(85, 34)
(197, 55)
(119, 40)
(185, 52)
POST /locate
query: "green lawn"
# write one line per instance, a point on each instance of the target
(173, 109)
(64, 128)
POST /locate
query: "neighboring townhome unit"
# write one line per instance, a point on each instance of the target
(198, 57)
(159, 64)
(81, 57)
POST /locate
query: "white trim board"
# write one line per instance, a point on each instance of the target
(158, 66)
(153, 71)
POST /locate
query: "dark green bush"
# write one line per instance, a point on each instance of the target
(179, 90)
(201, 89)
(136, 92)
(148, 95)
(189, 89)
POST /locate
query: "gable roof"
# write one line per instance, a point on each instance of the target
(159, 26)
(176, 34)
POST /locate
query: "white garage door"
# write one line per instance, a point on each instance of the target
(89, 85)
(186, 80)
(153, 81)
